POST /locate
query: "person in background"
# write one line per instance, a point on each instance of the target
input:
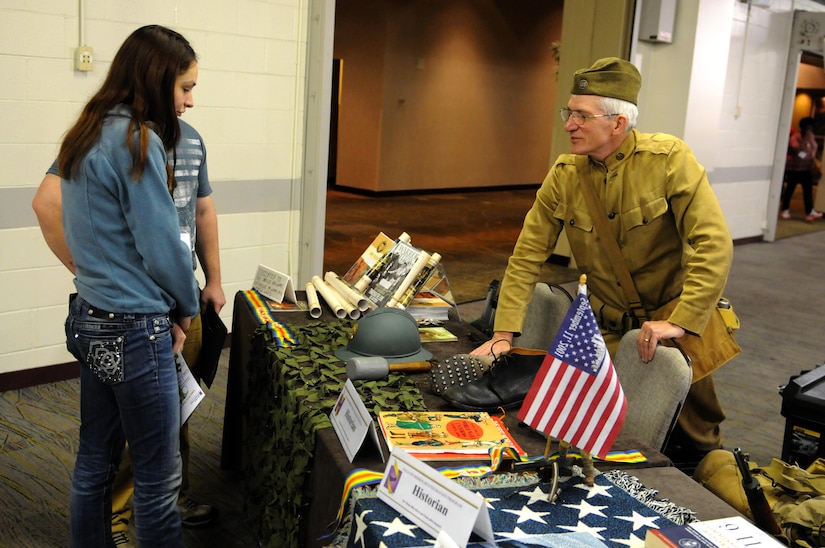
(663, 212)
(198, 227)
(136, 292)
(802, 149)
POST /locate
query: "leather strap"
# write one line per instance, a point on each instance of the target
(609, 243)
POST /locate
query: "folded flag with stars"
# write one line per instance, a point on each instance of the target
(606, 514)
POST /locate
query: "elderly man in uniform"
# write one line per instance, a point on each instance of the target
(669, 225)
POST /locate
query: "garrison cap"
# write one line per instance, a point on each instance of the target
(609, 77)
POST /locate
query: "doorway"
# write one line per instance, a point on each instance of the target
(804, 96)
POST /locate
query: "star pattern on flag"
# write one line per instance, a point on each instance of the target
(634, 541)
(395, 527)
(361, 526)
(515, 535)
(582, 527)
(527, 514)
(595, 491)
(638, 521)
(534, 495)
(585, 509)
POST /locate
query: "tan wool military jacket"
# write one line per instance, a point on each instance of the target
(664, 215)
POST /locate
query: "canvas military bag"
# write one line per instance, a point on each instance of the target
(796, 495)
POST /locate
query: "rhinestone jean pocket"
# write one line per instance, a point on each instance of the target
(105, 359)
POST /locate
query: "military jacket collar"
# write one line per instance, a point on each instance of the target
(625, 150)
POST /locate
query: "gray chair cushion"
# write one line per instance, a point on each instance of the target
(546, 311)
(655, 391)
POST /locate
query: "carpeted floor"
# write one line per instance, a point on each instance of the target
(473, 231)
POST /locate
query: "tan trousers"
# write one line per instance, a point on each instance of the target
(124, 484)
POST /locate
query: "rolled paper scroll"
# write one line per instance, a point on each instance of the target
(419, 282)
(417, 267)
(351, 310)
(312, 301)
(339, 285)
(329, 296)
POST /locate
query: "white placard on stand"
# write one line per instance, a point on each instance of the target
(432, 501)
(352, 422)
(274, 285)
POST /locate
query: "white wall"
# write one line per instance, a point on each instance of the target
(719, 86)
(249, 109)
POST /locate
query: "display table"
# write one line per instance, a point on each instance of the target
(277, 430)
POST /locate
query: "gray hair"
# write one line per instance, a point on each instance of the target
(625, 108)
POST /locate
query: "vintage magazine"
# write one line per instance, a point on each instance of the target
(399, 261)
(374, 253)
(445, 435)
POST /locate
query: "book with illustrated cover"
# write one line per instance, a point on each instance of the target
(436, 334)
(428, 305)
(445, 435)
(733, 532)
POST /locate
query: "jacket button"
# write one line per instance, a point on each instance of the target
(620, 156)
(572, 222)
(611, 215)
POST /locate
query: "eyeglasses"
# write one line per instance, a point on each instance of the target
(577, 117)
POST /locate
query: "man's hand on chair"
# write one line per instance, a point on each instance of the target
(651, 333)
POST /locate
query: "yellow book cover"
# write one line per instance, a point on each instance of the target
(436, 334)
(445, 435)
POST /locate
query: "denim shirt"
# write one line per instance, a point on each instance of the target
(123, 233)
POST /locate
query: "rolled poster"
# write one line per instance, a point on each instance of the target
(329, 296)
(312, 301)
(349, 293)
(419, 282)
(417, 267)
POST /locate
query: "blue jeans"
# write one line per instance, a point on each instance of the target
(128, 391)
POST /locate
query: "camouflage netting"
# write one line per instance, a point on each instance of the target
(290, 393)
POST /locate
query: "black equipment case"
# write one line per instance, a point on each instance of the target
(803, 406)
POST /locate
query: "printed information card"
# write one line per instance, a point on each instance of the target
(432, 501)
(273, 284)
(352, 422)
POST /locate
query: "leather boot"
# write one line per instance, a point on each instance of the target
(505, 385)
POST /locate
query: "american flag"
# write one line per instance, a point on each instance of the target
(576, 396)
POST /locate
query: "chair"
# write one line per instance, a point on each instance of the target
(545, 313)
(655, 391)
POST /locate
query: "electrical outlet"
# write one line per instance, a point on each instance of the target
(83, 59)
